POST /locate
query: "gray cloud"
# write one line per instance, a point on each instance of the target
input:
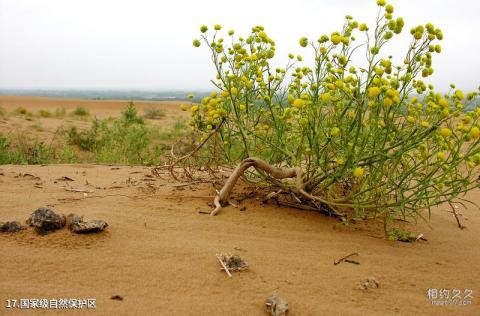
(147, 44)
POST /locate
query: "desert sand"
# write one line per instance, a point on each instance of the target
(158, 252)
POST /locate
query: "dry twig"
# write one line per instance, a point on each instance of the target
(454, 210)
(345, 259)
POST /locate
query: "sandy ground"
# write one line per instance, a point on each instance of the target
(159, 253)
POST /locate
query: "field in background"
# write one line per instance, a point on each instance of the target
(56, 130)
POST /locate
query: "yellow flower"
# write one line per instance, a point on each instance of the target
(446, 132)
(358, 172)
(325, 97)
(475, 132)
(467, 119)
(443, 102)
(381, 2)
(425, 124)
(335, 131)
(387, 102)
(183, 107)
(389, 8)
(441, 155)
(303, 42)
(290, 99)
(196, 43)
(298, 103)
(336, 39)
(234, 91)
(373, 92)
(391, 93)
(217, 27)
(194, 108)
(459, 94)
(476, 159)
(203, 28)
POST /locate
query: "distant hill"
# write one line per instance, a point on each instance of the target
(151, 95)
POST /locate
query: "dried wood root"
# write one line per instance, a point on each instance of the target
(274, 172)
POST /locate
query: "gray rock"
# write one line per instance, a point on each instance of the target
(370, 283)
(276, 306)
(78, 225)
(44, 220)
(11, 227)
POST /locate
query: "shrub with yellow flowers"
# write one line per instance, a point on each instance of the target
(365, 140)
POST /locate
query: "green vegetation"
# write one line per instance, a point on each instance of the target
(21, 111)
(80, 111)
(3, 113)
(44, 113)
(17, 149)
(154, 114)
(400, 235)
(368, 140)
(38, 127)
(59, 113)
(124, 140)
(127, 140)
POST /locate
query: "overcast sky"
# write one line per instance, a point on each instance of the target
(142, 44)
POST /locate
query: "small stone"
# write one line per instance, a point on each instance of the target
(78, 225)
(11, 227)
(116, 297)
(45, 220)
(276, 305)
(370, 283)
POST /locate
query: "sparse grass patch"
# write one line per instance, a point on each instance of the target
(130, 115)
(125, 140)
(59, 113)
(179, 130)
(21, 111)
(3, 113)
(44, 113)
(80, 111)
(154, 113)
(19, 149)
(38, 127)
